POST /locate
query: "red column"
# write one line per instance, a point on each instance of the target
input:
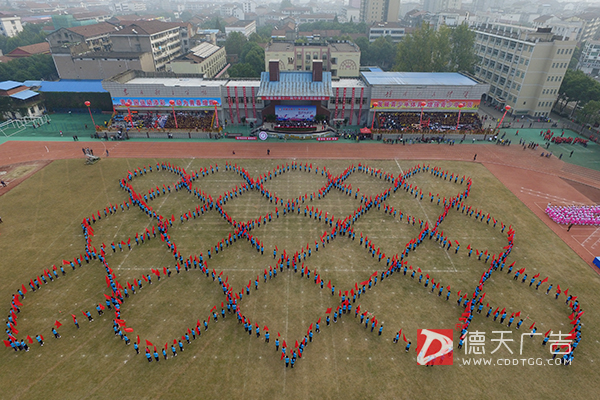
(344, 103)
(245, 102)
(230, 105)
(352, 106)
(337, 96)
(253, 104)
(237, 104)
(362, 91)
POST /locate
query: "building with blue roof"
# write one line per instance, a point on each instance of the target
(345, 100)
(23, 101)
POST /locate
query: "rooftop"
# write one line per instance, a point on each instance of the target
(238, 24)
(145, 27)
(24, 94)
(8, 85)
(204, 50)
(176, 82)
(93, 30)
(73, 86)
(417, 78)
(295, 84)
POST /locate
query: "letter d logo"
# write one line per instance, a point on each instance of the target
(434, 346)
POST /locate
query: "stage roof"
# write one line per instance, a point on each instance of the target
(418, 79)
(295, 84)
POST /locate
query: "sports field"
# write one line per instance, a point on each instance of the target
(43, 226)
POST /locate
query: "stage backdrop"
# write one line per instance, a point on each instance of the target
(295, 113)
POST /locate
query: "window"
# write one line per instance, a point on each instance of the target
(333, 60)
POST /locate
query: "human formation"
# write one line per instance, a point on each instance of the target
(288, 261)
(576, 215)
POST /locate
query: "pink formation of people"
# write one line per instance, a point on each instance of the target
(287, 262)
(576, 215)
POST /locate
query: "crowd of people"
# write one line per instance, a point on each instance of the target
(155, 120)
(299, 125)
(410, 122)
(574, 215)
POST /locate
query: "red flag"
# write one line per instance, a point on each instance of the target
(74, 317)
(329, 284)
(284, 344)
(328, 311)
(29, 339)
(23, 288)
(545, 280)
(518, 314)
(137, 339)
(7, 343)
(128, 330)
(531, 327)
(149, 343)
(536, 275)
(282, 355)
(567, 292)
(296, 345)
(558, 289)
(547, 333)
(57, 324)
(419, 269)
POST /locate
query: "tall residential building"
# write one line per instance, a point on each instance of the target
(103, 50)
(10, 25)
(372, 11)
(341, 59)
(589, 61)
(524, 67)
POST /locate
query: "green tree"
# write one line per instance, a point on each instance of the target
(382, 52)
(577, 87)
(40, 66)
(256, 59)
(214, 23)
(462, 56)
(235, 43)
(428, 50)
(242, 70)
(31, 34)
(424, 51)
(590, 113)
(364, 45)
(285, 4)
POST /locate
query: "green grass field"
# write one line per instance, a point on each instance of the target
(42, 226)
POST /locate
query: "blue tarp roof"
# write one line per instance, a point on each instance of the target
(418, 78)
(7, 85)
(78, 86)
(24, 94)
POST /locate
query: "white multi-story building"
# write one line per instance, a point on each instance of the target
(524, 67)
(10, 25)
(245, 27)
(382, 29)
(249, 6)
(130, 7)
(589, 61)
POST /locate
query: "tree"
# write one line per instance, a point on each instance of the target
(577, 87)
(31, 34)
(36, 67)
(575, 58)
(241, 70)
(215, 23)
(235, 43)
(429, 51)
(590, 113)
(424, 51)
(382, 52)
(462, 56)
(285, 4)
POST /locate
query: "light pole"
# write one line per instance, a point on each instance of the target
(460, 106)
(216, 103)
(502, 119)
(423, 104)
(374, 112)
(128, 104)
(172, 103)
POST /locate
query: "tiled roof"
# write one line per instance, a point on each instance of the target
(93, 30)
(295, 84)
